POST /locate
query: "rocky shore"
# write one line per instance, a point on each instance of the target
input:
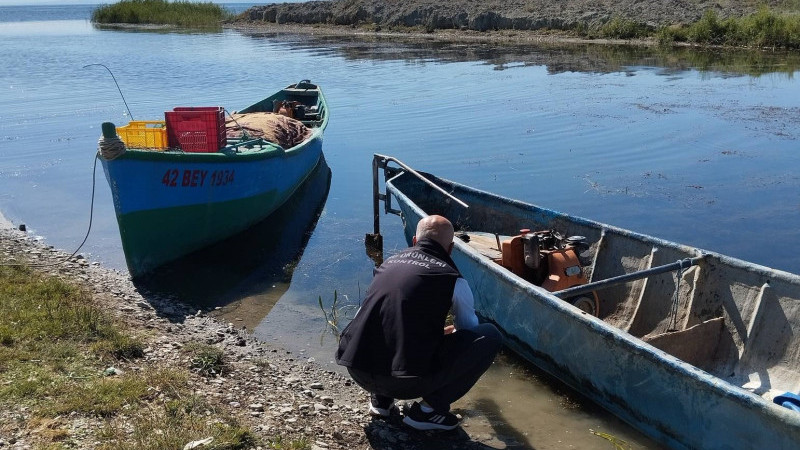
(268, 389)
(493, 15)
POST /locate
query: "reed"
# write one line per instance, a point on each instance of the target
(764, 29)
(161, 12)
(335, 313)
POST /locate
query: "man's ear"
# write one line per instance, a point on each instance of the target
(413, 241)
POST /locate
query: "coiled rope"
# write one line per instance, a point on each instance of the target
(111, 147)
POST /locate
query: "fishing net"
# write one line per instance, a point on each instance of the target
(275, 128)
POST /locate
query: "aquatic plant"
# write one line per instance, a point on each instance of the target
(161, 12)
(333, 314)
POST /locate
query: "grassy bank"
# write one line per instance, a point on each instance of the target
(161, 12)
(764, 29)
(64, 360)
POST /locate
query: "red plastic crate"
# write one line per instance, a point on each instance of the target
(198, 129)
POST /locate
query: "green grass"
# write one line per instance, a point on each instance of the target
(764, 29)
(206, 360)
(619, 28)
(161, 12)
(175, 423)
(55, 345)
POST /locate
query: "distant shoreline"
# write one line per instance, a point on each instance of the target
(727, 23)
(446, 35)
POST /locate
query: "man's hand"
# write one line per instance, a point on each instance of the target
(449, 329)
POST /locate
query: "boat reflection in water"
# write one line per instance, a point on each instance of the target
(243, 276)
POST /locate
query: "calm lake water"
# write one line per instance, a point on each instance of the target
(697, 147)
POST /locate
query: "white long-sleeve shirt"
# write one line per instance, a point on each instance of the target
(464, 316)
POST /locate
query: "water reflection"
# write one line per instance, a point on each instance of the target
(246, 274)
(556, 57)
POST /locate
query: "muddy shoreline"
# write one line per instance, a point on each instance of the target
(494, 15)
(499, 37)
(293, 396)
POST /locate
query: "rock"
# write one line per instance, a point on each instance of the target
(198, 444)
(111, 371)
(316, 385)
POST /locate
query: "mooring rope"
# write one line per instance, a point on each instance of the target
(85, 237)
(111, 147)
(676, 298)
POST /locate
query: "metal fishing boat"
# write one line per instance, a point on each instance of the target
(180, 186)
(687, 345)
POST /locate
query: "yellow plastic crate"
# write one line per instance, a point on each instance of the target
(144, 134)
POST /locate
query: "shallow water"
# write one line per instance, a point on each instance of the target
(692, 146)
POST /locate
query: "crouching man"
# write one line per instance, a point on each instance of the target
(398, 347)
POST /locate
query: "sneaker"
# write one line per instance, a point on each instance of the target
(380, 405)
(434, 420)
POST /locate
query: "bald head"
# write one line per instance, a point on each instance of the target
(436, 228)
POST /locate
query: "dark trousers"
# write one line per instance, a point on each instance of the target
(465, 355)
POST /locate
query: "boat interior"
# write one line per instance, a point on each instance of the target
(738, 321)
(300, 101)
(278, 122)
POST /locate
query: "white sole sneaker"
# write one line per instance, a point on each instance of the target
(380, 412)
(430, 423)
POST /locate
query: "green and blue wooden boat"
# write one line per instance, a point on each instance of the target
(170, 202)
(692, 347)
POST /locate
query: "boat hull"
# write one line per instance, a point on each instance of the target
(672, 401)
(168, 207)
(171, 203)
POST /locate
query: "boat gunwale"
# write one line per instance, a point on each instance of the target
(604, 329)
(272, 150)
(759, 269)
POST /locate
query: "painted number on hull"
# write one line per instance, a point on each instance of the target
(197, 178)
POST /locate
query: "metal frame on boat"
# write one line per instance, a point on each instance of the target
(691, 356)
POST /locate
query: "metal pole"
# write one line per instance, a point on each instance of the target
(608, 282)
(374, 241)
(419, 175)
(375, 197)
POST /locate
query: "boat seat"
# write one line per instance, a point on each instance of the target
(695, 345)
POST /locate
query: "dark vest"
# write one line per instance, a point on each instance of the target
(399, 328)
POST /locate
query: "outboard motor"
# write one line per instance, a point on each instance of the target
(549, 260)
